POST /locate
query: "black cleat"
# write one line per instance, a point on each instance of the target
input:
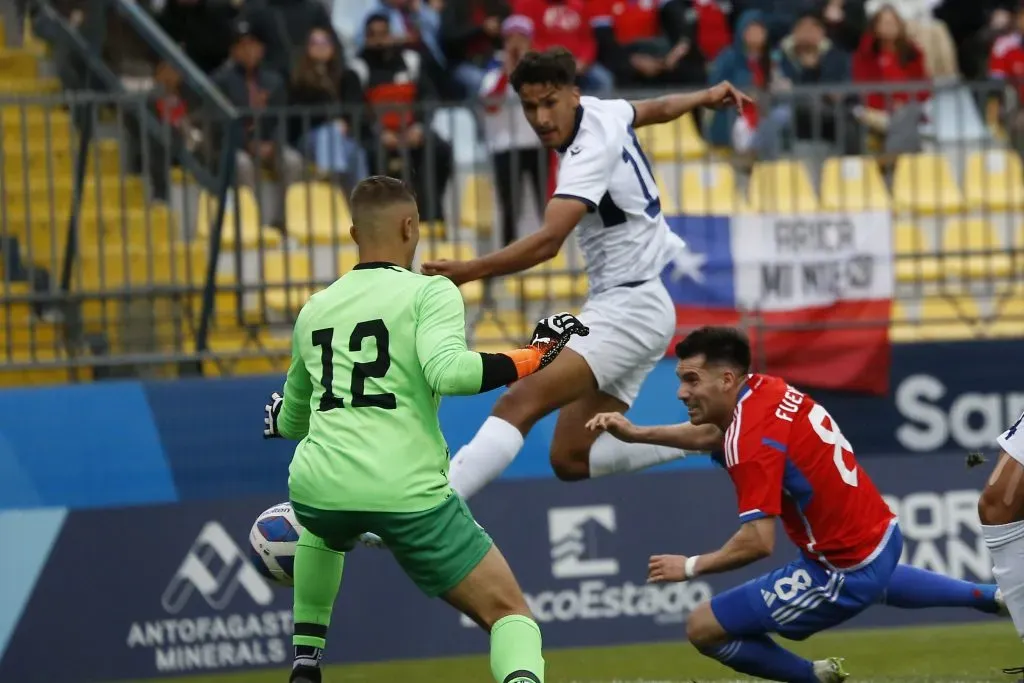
(305, 674)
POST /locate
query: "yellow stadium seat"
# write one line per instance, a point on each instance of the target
(676, 141)
(553, 280)
(853, 184)
(972, 249)
(914, 253)
(924, 184)
(20, 64)
(945, 318)
(250, 232)
(265, 353)
(123, 265)
(317, 212)
(781, 187)
(994, 181)
(709, 189)
(38, 376)
(500, 330)
(288, 280)
(348, 257)
(476, 208)
(1008, 318)
(472, 292)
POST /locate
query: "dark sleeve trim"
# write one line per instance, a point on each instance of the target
(499, 370)
(591, 206)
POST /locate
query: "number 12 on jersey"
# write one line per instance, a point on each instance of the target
(377, 368)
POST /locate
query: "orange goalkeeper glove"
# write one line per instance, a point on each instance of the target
(549, 338)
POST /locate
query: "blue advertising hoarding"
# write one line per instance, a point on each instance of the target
(126, 443)
(172, 592)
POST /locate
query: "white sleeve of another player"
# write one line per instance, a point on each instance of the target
(1012, 440)
(584, 171)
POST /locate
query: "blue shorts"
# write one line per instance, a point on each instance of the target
(804, 597)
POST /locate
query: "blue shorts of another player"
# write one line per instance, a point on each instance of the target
(802, 598)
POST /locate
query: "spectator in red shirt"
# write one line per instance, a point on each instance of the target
(712, 21)
(1006, 64)
(634, 47)
(888, 55)
(566, 23)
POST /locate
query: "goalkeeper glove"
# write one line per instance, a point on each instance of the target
(272, 410)
(549, 338)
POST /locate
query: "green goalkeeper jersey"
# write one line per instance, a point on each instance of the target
(372, 355)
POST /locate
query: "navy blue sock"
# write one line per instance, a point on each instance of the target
(913, 588)
(760, 656)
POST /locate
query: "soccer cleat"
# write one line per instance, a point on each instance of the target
(371, 540)
(830, 670)
(305, 674)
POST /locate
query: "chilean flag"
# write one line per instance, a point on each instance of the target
(813, 292)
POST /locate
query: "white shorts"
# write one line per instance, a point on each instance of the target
(1012, 441)
(630, 329)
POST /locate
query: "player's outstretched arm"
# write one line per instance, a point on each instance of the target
(560, 217)
(684, 436)
(670, 107)
(293, 418)
(754, 541)
(451, 369)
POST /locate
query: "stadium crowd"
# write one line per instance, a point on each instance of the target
(382, 62)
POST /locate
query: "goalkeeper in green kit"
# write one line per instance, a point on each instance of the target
(371, 356)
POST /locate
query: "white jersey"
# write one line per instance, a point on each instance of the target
(1012, 440)
(623, 235)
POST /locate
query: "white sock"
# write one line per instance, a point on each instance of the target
(608, 455)
(1005, 544)
(482, 460)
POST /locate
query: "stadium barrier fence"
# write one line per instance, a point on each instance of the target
(182, 265)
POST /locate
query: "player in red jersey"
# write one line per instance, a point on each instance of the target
(787, 458)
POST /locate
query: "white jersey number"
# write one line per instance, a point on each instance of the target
(833, 437)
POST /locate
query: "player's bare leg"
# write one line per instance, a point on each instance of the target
(756, 655)
(491, 596)
(572, 443)
(569, 384)
(1001, 511)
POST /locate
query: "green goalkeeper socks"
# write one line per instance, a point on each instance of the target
(317, 580)
(515, 651)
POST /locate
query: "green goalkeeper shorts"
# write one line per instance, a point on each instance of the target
(437, 548)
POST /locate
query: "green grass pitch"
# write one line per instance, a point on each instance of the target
(937, 654)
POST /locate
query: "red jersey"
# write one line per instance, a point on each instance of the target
(1007, 60)
(787, 458)
(560, 23)
(631, 20)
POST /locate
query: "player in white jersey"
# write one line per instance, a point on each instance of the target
(1001, 510)
(605, 188)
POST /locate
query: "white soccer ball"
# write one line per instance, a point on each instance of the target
(273, 538)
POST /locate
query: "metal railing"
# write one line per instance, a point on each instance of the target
(111, 271)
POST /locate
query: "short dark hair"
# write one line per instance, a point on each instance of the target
(725, 345)
(376, 192)
(555, 66)
(810, 15)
